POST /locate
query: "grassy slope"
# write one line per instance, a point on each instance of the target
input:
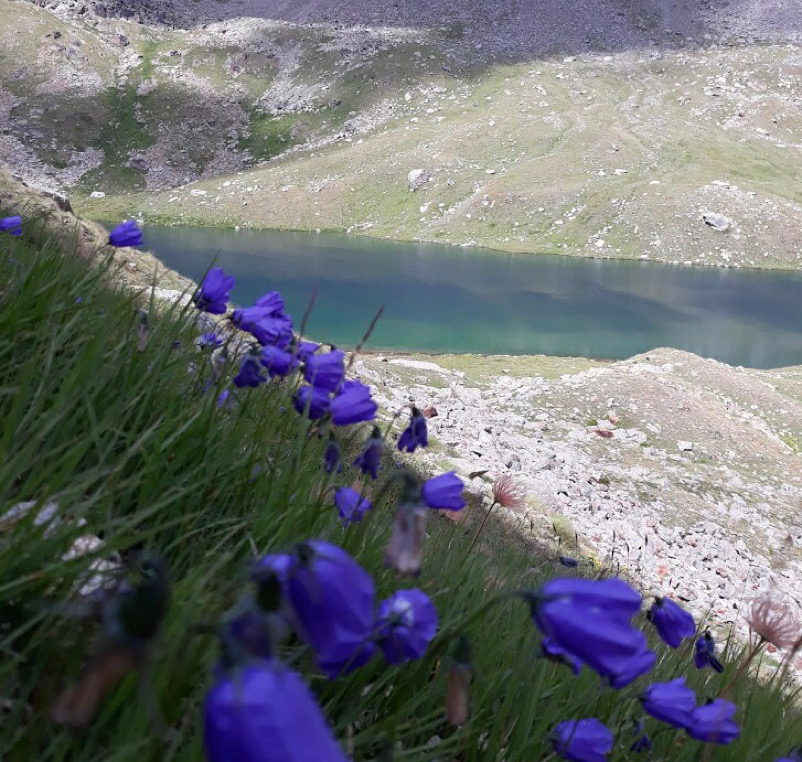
(599, 157)
(124, 441)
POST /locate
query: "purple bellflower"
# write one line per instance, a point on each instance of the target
(613, 597)
(632, 668)
(272, 301)
(250, 372)
(405, 625)
(415, 435)
(332, 459)
(671, 702)
(582, 740)
(265, 712)
(672, 622)
(351, 505)
(212, 295)
(712, 723)
(444, 492)
(326, 371)
(550, 649)
(306, 349)
(353, 404)
(11, 225)
(126, 234)
(332, 602)
(369, 459)
(277, 361)
(273, 329)
(246, 317)
(209, 340)
(311, 401)
(706, 653)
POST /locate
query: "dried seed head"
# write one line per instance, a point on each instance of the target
(508, 493)
(774, 622)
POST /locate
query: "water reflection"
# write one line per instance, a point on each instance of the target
(445, 299)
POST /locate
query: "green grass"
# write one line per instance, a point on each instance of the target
(124, 441)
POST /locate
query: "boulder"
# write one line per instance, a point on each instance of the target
(417, 178)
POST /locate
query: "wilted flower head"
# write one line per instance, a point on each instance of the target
(508, 493)
(12, 225)
(582, 740)
(671, 702)
(444, 492)
(774, 622)
(351, 505)
(405, 624)
(263, 706)
(712, 723)
(706, 653)
(332, 601)
(642, 742)
(672, 622)
(369, 459)
(415, 435)
(126, 234)
(353, 404)
(459, 680)
(212, 295)
(404, 552)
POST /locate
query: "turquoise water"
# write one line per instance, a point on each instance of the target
(446, 299)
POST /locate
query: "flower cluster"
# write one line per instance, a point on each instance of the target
(329, 600)
(589, 622)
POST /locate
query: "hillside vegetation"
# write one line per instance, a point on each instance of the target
(635, 145)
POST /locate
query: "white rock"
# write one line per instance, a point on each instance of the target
(684, 446)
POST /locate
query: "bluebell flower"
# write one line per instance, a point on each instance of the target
(212, 295)
(209, 340)
(273, 329)
(326, 371)
(612, 596)
(369, 459)
(632, 668)
(550, 649)
(712, 722)
(582, 740)
(444, 492)
(306, 349)
(706, 653)
(405, 625)
(246, 317)
(332, 458)
(642, 742)
(11, 225)
(250, 372)
(673, 623)
(272, 301)
(265, 712)
(415, 434)
(277, 361)
(332, 602)
(311, 401)
(126, 234)
(610, 646)
(351, 505)
(225, 398)
(671, 702)
(353, 404)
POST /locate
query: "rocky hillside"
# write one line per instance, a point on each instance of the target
(659, 129)
(683, 471)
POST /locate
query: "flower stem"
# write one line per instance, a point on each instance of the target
(761, 641)
(481, 527)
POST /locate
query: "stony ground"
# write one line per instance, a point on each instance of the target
(684, 472)
(655, 129)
